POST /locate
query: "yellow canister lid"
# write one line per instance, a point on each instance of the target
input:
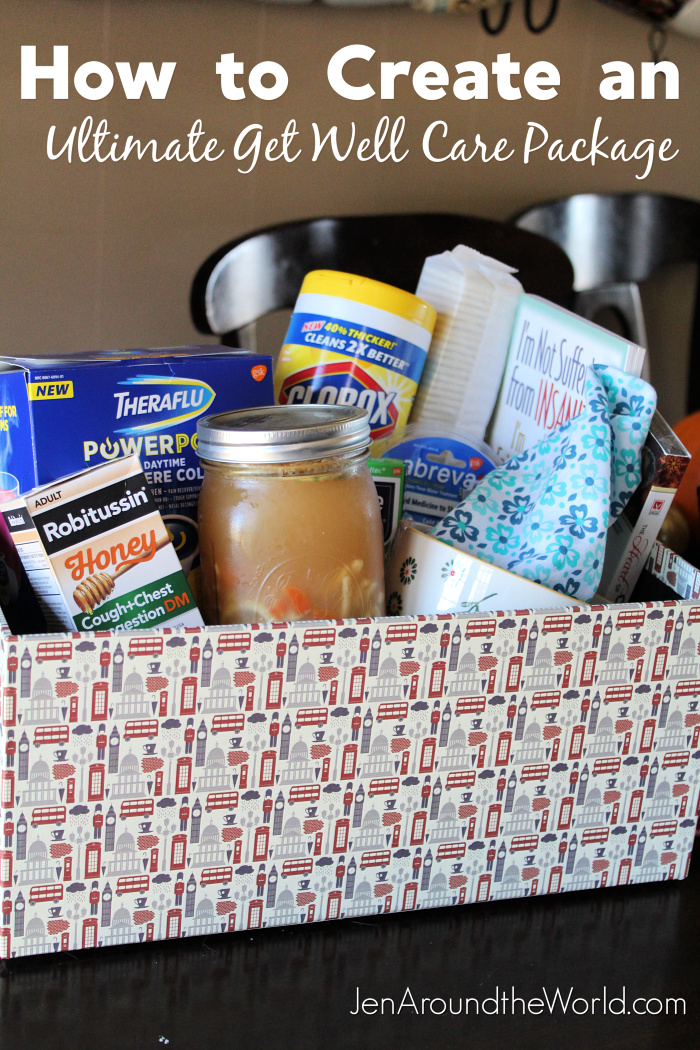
(370, 293)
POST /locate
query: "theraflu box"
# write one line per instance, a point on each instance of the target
(62, 416)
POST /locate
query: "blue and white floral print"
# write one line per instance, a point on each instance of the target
(545, 513)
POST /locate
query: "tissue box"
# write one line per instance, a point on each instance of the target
(162, 784)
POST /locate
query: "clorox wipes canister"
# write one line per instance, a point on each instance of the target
(355, 341)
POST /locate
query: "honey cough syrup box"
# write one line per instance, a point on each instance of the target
(98, 554)
(357, 342)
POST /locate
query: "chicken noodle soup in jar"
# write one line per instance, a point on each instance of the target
(289, 520)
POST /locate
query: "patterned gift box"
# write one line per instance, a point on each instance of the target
(163, 784)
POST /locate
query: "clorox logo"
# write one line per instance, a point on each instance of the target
(343, 383)
(158, 402)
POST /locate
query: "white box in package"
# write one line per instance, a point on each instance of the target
(476, 298)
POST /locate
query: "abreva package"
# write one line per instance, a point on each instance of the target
(355, 341)
(97, 553)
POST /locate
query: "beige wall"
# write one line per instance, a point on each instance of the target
(103, 255)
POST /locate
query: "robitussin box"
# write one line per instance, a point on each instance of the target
(59, 416)
(163, 784)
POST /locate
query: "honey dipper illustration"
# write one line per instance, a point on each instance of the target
(95, 589)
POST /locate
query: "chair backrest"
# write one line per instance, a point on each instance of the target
(263, 271)
(614, 241)
(617, 237)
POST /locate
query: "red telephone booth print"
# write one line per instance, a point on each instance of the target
(89, 933)
(515, 666)
(555, 879)
(503, 749)
(188, 696)
(427, 754)
(96, 782)
(357, 685)
(255, 910)
(9, 706)
(623, 874)
(635, 809)
(658, 669)
(68, 869)
(100, 691)
(647, 741)
(163, 704)
(484, 888)
(333, 906)
(576, 745)
(173, 924)
(410, 892)
(565, 811)
(7, 789)
(420, 819)
(5, 867)
(347, 770)
(268, 762)
(70, 790)
(5, 947)
(588, 669)
(93, 854)
(273, 698)
(178, 850)
(437, 677)
(260, 842)
(341, 835)
(183, 776)
(493, 820)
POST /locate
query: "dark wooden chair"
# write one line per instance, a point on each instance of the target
(262, 272)
(616, 240)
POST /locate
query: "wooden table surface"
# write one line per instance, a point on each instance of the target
(298, 987)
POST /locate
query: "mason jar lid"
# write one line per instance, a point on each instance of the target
(282, 434)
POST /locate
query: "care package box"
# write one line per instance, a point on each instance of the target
(262, 775)
(59, 416)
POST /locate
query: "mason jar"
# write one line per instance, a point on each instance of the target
(289, 519)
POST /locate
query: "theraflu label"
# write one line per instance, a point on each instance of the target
(327, 360)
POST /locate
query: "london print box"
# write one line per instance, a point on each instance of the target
(163, 784)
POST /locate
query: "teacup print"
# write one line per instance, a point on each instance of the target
(426, 576)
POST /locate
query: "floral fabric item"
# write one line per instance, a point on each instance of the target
(545, 513)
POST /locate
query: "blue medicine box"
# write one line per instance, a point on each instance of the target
(60, 416)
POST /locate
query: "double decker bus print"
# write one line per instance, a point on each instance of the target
(606, 766)
(375, 858)
(227, 724)
(304, 793)
(311, 716)
(470, 705)
(210, 876)
(665, 828)
(136, 807)
(597, 835)
(546, 698)
(221, 800)
(145, 645)
(141, 727)
(319, 636)
(48, 815)
(383, 786)
(133, 884)
(297, 867)
(233, 642)
(534, 771)
(401, 632)
(54, 651)
(524, 843)
(558, 623)
(51, 735)
(451, 850)
(395, 709)
(483, 627)
(675, 759)
(50, 891)
(464, 779)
